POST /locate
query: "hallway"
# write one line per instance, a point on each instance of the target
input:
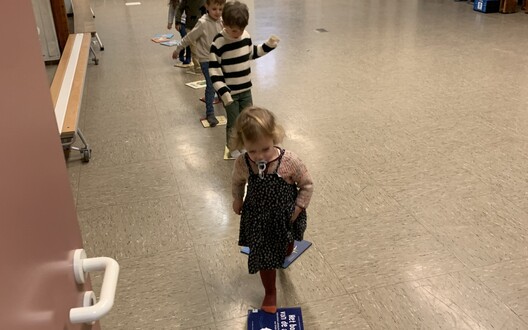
(412, 117)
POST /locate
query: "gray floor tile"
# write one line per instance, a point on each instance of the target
(125, 184)
(382, 249)
(156, 292)
(509, 282)
(212, 219)
(479, 231)
(454, 301)
(135, 229)
(339, 312)
(128, 147)
(74, 171)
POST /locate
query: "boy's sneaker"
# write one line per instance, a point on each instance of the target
(211, 119)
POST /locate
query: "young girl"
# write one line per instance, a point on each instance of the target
(279, 190)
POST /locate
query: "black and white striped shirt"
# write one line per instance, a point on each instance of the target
(229, 63)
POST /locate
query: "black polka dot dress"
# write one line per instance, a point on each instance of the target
(265, 225)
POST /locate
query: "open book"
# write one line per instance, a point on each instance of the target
(162, 37)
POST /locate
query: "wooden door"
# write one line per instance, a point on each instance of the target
(38, 222)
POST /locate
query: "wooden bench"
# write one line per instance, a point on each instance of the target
(67, 90)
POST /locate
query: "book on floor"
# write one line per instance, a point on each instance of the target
(196, 84)
(162, 37)
(284, 319)
(222, 120)
(171, 43)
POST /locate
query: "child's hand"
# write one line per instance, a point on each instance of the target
(227, 99)
(296, 213)
(273, 41)
(237, 206)
(177, 26)
(176, 53)
(169, 26)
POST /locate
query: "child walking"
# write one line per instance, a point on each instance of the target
(278, 193)
(184, 55)
(229, 63)
(193, 10)
(207, 27)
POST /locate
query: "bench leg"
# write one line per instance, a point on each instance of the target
(67, 146)
(85, 151)
(95, 59)
(94, 34)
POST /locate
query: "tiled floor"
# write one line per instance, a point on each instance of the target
(412, 116)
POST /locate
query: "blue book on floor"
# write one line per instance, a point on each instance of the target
(162, 37)
(284, 319)
(171, 43)
(299, 248)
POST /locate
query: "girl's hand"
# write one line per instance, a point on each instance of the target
(296, 213)
(237, 206)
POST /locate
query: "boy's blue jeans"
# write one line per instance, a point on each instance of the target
(186, 51)
(209, 90)
(240, 102)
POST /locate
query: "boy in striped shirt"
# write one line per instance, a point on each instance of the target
(229, 63)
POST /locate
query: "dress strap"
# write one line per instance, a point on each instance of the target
(279, 160)
(248, 164)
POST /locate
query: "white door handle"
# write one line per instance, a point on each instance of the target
(94, 312)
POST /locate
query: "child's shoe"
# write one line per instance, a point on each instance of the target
(211, 119)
